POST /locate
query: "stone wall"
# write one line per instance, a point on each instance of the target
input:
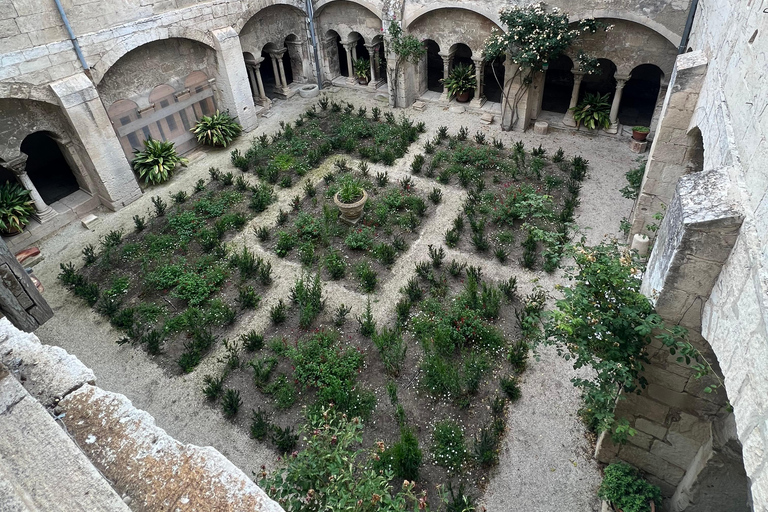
(345, 17)
(272, 25)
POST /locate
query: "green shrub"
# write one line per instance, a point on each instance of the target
(307, 294)
(626, 490)
(405, 456)
(218, 130)
(230, 403)
(392, 350)
(510, 388)
(335, 265)
(367, 276)
(260, 426)
(157, 161)
(448, 447)
(214, 387)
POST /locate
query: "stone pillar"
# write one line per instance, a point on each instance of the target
(260, 84)
(351, 78)
(447, 65)
(252, 81)
(279, 57)
(114, 181)
(43, 212)
(568, 118)
(276, 72)
(372, 51)
(232, 78)
(479, 99)
(299, 64)
(621, 81)
(332, 69)
(667, 157)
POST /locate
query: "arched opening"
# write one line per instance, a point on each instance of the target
(493, 79)
(293, 60)
(359, 54)
(124, 112)
(600, 82)
(333, 54)
(462, 54)
(342, 53)
(694, 157)
(432, 67)
(640, 95)
(382, 60)
(268, 71)
(197, 81)
(47, 167)
(558, 85)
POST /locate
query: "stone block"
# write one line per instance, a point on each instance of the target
(657, 375)
(656, 430)
(90, 221)
(637, 146)
(641, 440)
(651, 463)
(419, 105)
(457, 109)
(605, 450)
(486, 118)
(677, 449)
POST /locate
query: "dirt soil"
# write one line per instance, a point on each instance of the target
(546, 462)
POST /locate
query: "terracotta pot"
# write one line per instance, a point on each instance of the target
(463, 97)
(639, 136)
(350, 212)
(12, 232)
(362, 81)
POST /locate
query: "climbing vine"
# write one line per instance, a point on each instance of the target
(604, 322)
(405, 48)
(533, 37)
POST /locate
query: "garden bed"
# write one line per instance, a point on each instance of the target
(360, 256)
(520, 203)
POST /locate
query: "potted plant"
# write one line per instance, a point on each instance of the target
(16, 207)
(639, 133)
(350, 199)
(627, 491)
(594, 111)
(362, 68)
(460, 81)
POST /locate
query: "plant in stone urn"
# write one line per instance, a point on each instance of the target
(460, 81)
(350, 199)
(639, 133)
(627, 491)
(362, 68)
(16, 207)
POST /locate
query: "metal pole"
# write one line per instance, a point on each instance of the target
(71, 35)
(688, 25)
(313, 38)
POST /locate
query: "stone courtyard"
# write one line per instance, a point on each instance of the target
(73, 112)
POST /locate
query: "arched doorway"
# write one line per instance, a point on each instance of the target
(433, 67)
(640, 95)
(47, 168)
(558, 85)
(359, 53)
(342, 55)
(600, 82)
(493, 79)
(268, 71)
(333, 54)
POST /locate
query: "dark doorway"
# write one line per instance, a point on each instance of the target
(288, 68)
(558, 85)
(434, 66)
(47, 167)
(343, 67)
(462, 55)
(641, 92)
(268, 77)
(382, 62)
(601, 81)
(493, 75)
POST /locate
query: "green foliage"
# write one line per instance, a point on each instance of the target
(367, 322)
(218, 130)
(511, 388)
(404, 457)
(252, 340)
(16, 207)
(214, 387)
(626, 490)
(594, 111)
(260, 426)
(367, 276)
(634, 180)
(461, 79)
(230, 403)
(157, 161)
(448, 446)
(335, 265)
(362, 68)
(392, 350)
(604, 322)
(307, 294)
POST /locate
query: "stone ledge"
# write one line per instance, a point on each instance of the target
(146, 464)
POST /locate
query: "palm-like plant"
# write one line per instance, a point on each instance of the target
(15, 207)
(218, 130)
(461, 79)
(594, 111)
(157, 161)
(362, 68)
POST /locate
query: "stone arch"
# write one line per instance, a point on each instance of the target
(451, 25)
(347, 16)
(122, 113)
(647, 22)
(601, 82)
(131, 42)
(48, 167)
(253, 10)
(373, 7)
(26, 91)
(641, 95)
(410, 18)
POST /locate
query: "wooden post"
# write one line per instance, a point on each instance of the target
(20, 300)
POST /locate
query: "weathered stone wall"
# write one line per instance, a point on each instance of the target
(272, 25)
(448, 27)
(160, 62)
(19, 118)
(346, 17)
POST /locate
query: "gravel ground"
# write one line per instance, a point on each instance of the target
(546, 462)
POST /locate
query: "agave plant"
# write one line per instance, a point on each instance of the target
(157, 161)
(594, 111)
(217, 130)
(15, 207)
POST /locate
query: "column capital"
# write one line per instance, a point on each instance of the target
(478, 59)
(278, 54)
(372, 47)
(447, 55)
(621, 78)
(18, 165)
(297, 42)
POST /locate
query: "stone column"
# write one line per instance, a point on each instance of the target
(232, 78)
(351, 78)
(478, 100)
(621, 81)
(568, 118)
(332, 64)
(252, 81)
(260, 83)
(278, 84)
(373, 52)
(43, 212)
(115, 184)
(299, 63)
(447, 64)
(279, 56)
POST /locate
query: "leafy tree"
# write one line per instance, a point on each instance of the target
(405, 48)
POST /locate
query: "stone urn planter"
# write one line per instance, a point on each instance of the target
(351, 212)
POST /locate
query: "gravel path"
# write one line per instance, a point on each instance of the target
(546, 462)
